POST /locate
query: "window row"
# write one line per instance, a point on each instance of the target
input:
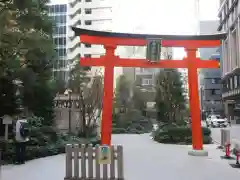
(215, 91)
(232, 83)
(231, 53)
(215, 80)
(213, 101)
(60, 41)
(60, 30)
(87, 55)
(86, 22)
(61, 52)
(58, 8)
(59, 19)
(146, 81)
(224, 13)
(59, 64)
(146, 70)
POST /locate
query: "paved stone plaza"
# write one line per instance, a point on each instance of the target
(143, 159)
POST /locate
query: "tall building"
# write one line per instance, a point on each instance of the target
(89, 14)
(210, 85)
(58, 12)
(229, 22)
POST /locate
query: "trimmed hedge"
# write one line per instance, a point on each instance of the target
(179, 135)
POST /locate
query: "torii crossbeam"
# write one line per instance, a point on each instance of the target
(110, 41)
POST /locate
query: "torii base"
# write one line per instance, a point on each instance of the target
(202, 153)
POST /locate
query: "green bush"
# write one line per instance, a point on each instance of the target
(130, 122)
(44, 141)
(171, 134)
(39, 151)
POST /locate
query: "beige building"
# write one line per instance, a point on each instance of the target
(144, 78)
(230, 23)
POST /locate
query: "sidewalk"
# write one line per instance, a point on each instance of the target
(143, 159)
(234, 133)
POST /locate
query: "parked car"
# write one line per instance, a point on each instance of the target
(216, 121)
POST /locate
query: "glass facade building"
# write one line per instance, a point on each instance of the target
(58, 12)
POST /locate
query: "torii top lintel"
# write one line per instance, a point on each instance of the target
(128, 39)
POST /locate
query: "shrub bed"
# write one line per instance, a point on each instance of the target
(39, 151)
(130, 122)
(171, 134)
(44, 141)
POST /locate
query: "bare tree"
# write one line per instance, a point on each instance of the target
(89, 90)
(90, 101)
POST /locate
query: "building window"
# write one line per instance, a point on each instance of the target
(234, 51)
(238, 81)
(62, 41)
(146, 70)
(63, 8)
(88, 11)
(147, 81)
(231, 83)
(235, 81)
(62, 30)
(214, 81)
(55, 41)
(87, 55)
(217, 91)
(88, 22)
(88, 45)
(213, 91)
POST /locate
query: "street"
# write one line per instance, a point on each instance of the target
(234, 133)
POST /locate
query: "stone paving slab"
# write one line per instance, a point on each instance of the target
(143, 160)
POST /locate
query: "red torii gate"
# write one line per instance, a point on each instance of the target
(110, 41)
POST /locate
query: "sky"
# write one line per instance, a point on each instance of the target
(160, 16)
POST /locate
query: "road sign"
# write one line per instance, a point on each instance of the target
(104, 155)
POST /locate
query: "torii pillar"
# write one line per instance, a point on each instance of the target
(110, 41)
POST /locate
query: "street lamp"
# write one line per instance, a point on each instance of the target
(68, 92)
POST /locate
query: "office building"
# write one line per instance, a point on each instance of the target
(230, 23)
(58, 12)
(144, 78)
(89, 14)
(210, 85)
